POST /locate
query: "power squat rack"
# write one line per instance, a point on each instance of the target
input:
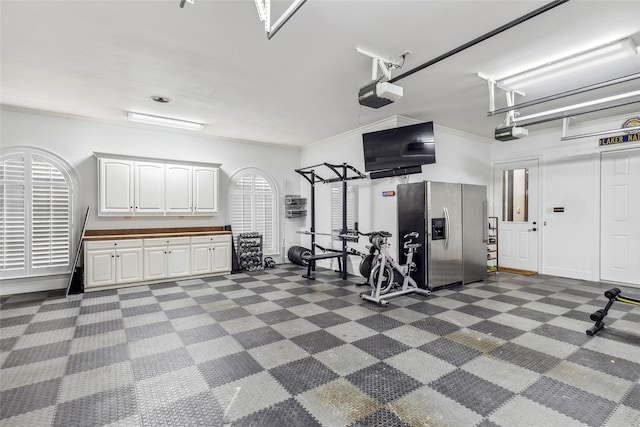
(338, 173)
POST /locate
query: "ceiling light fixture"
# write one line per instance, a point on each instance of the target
(161, 99)
(578, 106)
(164, 121)
(578, 62)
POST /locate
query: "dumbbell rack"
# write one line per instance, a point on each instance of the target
(250, 251)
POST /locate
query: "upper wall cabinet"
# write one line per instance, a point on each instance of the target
(140, 186)
(115, 177)
(149, 185)
(191, 190)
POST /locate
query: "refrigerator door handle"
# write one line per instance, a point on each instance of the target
(485, 229)
(447, 227)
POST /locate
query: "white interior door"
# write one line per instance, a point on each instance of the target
(516, 206)
(620, 217)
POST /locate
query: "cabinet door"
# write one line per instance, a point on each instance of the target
(178, 260)
(221, 257)
(205, 190)
(149, 188)
(155, 263)
(129, 265)
(116, 186)
(201, 258)
(100, 268)
(178, 191)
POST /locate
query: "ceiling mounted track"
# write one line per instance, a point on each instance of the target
(547, 7)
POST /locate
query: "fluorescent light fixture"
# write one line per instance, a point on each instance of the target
(580, 105)
(164, 121)
(578, 62)
(603, 132)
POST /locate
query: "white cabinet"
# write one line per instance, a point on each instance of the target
(210, 254)
(149, 191)
(166, 257)
(191, 190)
(179, 189)
(115, 181)
(205, 190)
(111, 262)
(128, 187)
(140, 186)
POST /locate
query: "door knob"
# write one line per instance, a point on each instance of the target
(532, 229)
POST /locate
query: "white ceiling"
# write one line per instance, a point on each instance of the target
(100, 59)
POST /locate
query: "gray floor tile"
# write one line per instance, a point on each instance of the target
(229, 368)
(301, 375)
(287, 413)
(526, 357)
(273, 348)
(575, 403)
(383, 382)
(28, 398)
(315, 342)
(381, 346)
(471, 391)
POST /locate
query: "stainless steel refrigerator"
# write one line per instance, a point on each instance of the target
(452, 222)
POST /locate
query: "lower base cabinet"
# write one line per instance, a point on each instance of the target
(115, 263)
(165, 258)
(210, 254)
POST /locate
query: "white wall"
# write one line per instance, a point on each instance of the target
(460, 157)
(569, 178)
(75, 140)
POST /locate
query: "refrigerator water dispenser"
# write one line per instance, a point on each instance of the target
(438, 229)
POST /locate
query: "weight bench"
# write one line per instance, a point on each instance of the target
(313, 258)
(598, 317)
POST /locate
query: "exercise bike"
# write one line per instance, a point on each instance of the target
(385, 270)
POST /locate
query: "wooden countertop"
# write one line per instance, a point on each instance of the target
(144, 233)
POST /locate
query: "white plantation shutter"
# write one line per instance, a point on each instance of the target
(253, 208)
(36, 216)
(12, 215)
(336, 210)
(50, 215)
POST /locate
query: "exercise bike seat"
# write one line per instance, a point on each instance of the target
(383, 233)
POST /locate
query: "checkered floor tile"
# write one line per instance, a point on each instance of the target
(271, 348)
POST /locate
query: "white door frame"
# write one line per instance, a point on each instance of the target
(536, 214)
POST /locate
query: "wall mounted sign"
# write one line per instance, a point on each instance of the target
(628, 137)
(388, 193)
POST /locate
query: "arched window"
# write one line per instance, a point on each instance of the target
(253, 206)
(35, 214)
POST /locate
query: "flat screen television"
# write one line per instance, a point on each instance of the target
(398, 148)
